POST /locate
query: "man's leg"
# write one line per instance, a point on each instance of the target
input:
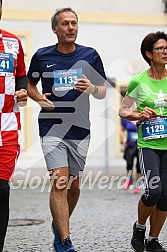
(4, 210)
(73, 194)
(8, 157)
(58, 201)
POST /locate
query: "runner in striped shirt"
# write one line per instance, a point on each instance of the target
(13, 93)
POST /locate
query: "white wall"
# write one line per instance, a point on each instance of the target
(114, 6)
(119, 48)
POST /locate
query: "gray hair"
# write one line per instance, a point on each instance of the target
(54, 19)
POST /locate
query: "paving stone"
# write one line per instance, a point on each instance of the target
(102, 220)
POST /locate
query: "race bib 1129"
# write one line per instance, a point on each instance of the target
(154, 128)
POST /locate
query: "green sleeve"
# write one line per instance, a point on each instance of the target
(132, 89)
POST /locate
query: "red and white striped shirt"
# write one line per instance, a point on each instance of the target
(11, 66)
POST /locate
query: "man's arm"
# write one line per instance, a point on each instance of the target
(41, 99)
(85, 85)
(21, 90)
(99, 91)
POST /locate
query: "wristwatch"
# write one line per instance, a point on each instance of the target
(96, 90)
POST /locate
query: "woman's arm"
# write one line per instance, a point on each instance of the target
(128, 111)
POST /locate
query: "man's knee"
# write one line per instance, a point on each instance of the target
(60, 184)
(73, 183)
(73, 187)
(59, 179)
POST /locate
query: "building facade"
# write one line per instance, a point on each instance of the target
(115, 28)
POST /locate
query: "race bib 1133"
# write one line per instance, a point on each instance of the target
(65, 79)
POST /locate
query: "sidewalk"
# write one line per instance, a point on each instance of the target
(102, 220)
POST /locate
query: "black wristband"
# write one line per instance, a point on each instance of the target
(21, 83)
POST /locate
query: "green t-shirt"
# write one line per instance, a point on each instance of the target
(151, 93)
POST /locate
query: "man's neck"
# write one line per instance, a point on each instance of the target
(66, 48)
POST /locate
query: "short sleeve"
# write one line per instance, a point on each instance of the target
(132, 89)
(99, 77)
(33, 72)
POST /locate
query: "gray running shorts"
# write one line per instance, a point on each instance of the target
(65, 153)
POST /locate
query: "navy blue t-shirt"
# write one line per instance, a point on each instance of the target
(70, 118)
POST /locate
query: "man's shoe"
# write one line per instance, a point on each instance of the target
(67, 245)
(57, 241)
(154, 246)
(138, 239)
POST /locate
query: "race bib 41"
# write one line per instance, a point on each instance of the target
(6, 64)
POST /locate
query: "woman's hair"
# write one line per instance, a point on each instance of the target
(148, 43)
(54, 19)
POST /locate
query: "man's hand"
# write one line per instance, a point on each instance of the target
(45, 103)
(84, 85)
(21, 96)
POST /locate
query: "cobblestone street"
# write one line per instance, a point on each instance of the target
(102, 221)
